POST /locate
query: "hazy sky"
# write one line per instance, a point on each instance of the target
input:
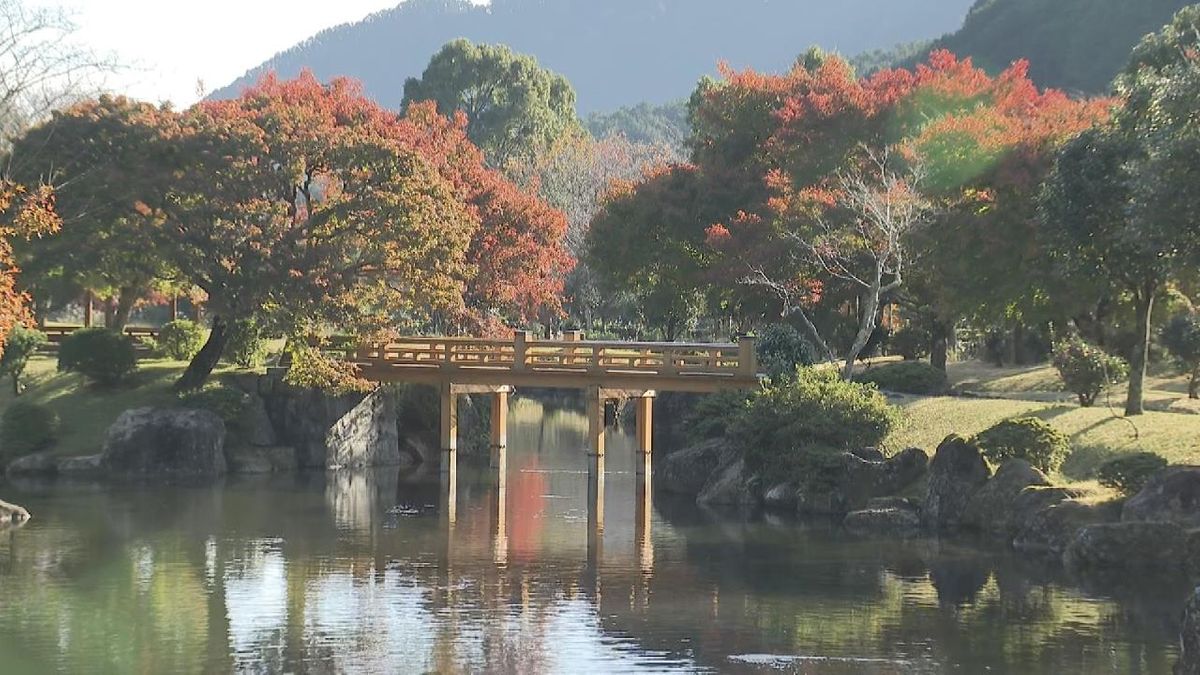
(172, 45)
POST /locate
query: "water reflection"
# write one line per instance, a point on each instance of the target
(534, 560)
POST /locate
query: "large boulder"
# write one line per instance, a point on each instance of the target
(956, 473)
(1171, 495)
(11, 513)
(730, 487)
(1129, 546)
(165, 442)
(688, 471)
(332, 432)
(1189, 638)
(993, 507)
(1051, 529)
(83, 465)
(254, 424)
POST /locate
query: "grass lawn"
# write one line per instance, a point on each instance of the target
(87, 411)
(1097, 434)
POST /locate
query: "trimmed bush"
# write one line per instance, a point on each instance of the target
(1130, 473)
(815, 411)
(1027, 438)
(713, 415)
(103, 356)
(21, 344)
(225, 402)
(27, 428)
(246, 347)
(781, 349)
(180, 339)
(910, 377)
(1086, 370)
(911, 342)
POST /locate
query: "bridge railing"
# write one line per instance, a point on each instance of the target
(524, 353)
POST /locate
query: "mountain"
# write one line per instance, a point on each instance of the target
(1076, 45)
(615, 52)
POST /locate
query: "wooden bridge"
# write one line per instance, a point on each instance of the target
(603, 370)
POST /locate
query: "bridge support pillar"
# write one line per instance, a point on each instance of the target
(595, 414)
(449, 422)
(645, 428)
(500, 418)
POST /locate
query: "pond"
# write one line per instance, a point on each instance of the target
(371, 572)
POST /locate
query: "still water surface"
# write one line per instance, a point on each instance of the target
(537, 569)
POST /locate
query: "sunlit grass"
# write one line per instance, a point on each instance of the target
(87, 411)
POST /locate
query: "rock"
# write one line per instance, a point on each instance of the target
(39, 463)
(255, 425)
(854, 482)
(870, 454)
(993, 507)
(1052, 529)
(729, 487)
(1189, 638)
(1172, 495)
(331, 432)
(781, 496)
(1137, 546)
(81, 466)
(165, 442)
(245, 459)
(1032, 501)
(688, 471)
(11, 513)
(956, 473)
(888, 515)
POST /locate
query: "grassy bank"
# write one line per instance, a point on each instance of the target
(1097, 434)
(87, 411)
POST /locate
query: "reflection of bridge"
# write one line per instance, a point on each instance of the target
(604, 370)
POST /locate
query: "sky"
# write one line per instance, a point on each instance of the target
(175, 48)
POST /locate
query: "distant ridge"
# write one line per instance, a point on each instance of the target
(615, 52)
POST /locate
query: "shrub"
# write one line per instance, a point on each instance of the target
(225, 402)
(26, 428)
(246, 347)
(1130, 473)
(103, 356)
(813, 412)
(780, 349)
(1086, 370)
(1026, 438)
(910, 377)
(1181, 337)
(911, 342)
(180, 339)
(713, 415)
(21, 344)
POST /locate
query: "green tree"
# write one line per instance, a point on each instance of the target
(100, 158)
(1122, 199)
(515, 108)
(1181, 337)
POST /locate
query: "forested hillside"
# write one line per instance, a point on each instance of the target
(616, 52)
(1077, 45)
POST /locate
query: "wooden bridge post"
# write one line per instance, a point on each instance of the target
(643, 513)
(500, 417)
(521, 340)
(595, 534)
(747, 357)
(595, 414)
(645, 429)
(449, 421)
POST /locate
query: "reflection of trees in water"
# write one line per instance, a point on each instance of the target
(311, 572)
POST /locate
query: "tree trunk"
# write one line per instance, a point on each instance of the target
(939, 351)
(811, 332)
(206, 359)
(1194, 384)
(869, 307)
(124, 308)
(1141, 354)
(87, 309)
(175, 307)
